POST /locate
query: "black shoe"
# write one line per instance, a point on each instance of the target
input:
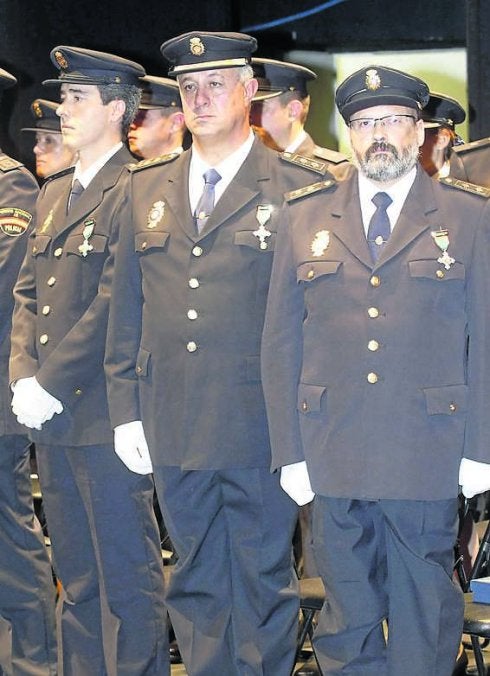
(461, 664)
(174, 652)
(309, 668)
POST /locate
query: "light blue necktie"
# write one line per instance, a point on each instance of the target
(379, 226)
(206, 202)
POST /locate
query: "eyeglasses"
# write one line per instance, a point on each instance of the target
(364, 125)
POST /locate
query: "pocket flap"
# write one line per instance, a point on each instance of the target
(446, 400)
(144, 241)
(432, 269)
(309, 271)
(74, 242)
(310, 397)
(247, 238)
(40, 244)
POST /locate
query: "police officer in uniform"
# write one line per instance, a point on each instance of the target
(51, 153)
(440, 116)
(183, 366)
(103, 530)
(159, 127)
(280, 111)
(375, 405)
(27, 591)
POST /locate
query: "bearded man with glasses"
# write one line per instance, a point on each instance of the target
(376, 374)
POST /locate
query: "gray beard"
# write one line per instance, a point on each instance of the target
(387, 168)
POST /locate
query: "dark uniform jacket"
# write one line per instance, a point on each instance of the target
(187, 311)
(367, 370)
(471, 162)
(60, 317)
(18, 193)
(338, 164)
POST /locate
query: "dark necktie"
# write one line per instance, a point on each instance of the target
(76, 191)
(206, 201)
(379, 225)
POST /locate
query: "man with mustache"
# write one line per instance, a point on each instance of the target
(376, 373)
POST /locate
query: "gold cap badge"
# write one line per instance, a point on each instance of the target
(373, 81)
(37, 110)
(196, 47)
(60, 60)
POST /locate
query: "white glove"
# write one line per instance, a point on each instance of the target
(295, 481)
(32, 404)
(131, 447)
(474, 477)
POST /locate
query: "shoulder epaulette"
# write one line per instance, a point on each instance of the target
(472, 145)
(153, 162)
(7, 163)
(59, 174)
(307, 162)
(464, 185)
(309, 189)
(332, 156)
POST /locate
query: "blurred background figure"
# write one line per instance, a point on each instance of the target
(158, 128)
(441, 115)
(51, 154)
(280, 111)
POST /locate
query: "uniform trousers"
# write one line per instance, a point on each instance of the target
(393, 560)
(106, 553)
(27, 590)
(232, 597)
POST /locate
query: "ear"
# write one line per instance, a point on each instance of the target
(117, 108)
(251, 87)
(443, 138)
(178, 121)
(420, 132)
(295, 108)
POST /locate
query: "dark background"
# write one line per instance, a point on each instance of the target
(29, 29)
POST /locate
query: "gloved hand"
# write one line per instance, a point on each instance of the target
(474, 477)
(295, 481)
(32, 404)
(131, 447)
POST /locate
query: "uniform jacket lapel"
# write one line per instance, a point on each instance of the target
(346, 214)
(93, 195)
(419, 214)
(176, 192)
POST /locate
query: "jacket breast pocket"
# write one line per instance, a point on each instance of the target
(150, 242)
(310, 271)
(40, 244)
(431, 269)
(260, 242)
(77, 245)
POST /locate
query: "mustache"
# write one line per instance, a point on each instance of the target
(380, 146)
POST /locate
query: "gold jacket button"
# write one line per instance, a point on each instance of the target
(440, 274)
(452, 407)
(78, 391)
(373, 312)
(372, 378)
(58, 252)
(304, 406)
(191, 346)
(34, 249)
(139, 370)
(373, 345)
(193, 283)
(310, 274)
(43, 339)
(46, 310)
(197, 251)
(192, 314)
(375, 281)
(144, 245)
(51, 281)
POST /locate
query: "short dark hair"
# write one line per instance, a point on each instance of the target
(130, 94)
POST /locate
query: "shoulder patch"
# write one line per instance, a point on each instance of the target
(59, 174)
(332, 156)
(472, 145)
(153, 162)
(464, 185)
(309, 190)
(8, 163)
(308, 162)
